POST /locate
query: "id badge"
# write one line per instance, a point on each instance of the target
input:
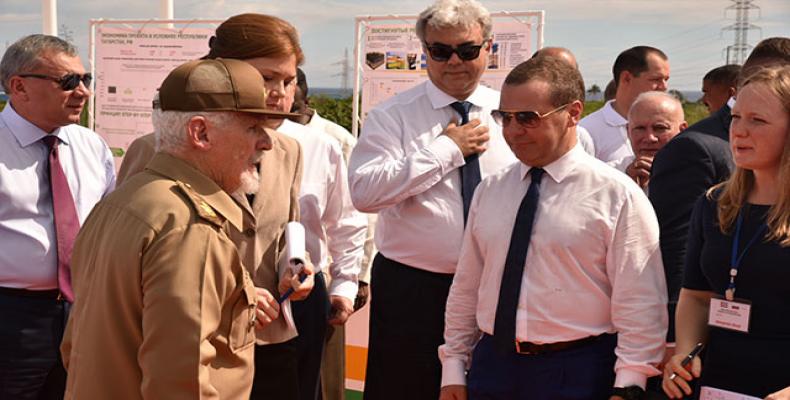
(732, 315)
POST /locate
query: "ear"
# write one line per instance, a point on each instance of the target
(731, 91)
(197, 133)
(575, 110)
(17, 87)
(683, 126)
(625, 77)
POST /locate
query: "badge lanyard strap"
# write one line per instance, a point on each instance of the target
(735, 259)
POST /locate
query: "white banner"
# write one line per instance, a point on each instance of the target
(130, 65)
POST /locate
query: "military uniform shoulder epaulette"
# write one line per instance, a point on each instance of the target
(204, 210)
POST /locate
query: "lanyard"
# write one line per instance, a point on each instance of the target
(735, 259)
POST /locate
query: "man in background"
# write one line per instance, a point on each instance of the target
(636, 70)
(719, 86)
(654, 119)
(333, 363)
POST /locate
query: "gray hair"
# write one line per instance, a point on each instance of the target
(659, 96)
(169, 127)
(24, 55)
(454, 13)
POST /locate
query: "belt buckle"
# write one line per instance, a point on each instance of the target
(60, 296)
(518, 349)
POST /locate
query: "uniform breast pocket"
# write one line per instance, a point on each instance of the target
(242, 330)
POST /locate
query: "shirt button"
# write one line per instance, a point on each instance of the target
(249, 232)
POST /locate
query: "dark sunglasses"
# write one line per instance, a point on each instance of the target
(66, 82)
(529, 119)
(442, 52)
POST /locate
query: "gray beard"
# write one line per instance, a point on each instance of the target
(250, 182)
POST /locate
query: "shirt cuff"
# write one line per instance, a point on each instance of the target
(447, 153)
(347, 289)
(627, 377)
(453, 372)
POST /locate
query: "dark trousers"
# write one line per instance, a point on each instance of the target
(580, 373)
(276, 375)
(406, 329)
(31, 329)
(311, 316)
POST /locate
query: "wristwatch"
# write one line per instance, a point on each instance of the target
(632, 392)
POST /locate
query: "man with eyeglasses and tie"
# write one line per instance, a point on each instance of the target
(52, 173)
(418, 160)
(559, 291)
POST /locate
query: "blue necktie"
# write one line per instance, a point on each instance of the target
(510, 288)
(470, 172)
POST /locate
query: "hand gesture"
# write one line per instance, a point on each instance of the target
(470, 138)
(639, 170)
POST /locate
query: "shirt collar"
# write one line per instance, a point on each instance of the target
(440, 99)
(25, 132)
(178, 170)
(611, 116)
(560, 168)
(731, 102)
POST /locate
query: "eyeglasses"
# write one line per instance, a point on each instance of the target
(529, 119)
(66, 82)
(442, 52)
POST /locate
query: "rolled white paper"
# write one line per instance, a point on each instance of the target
(295, 244)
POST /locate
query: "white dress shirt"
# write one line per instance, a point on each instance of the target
(609, 133)
(342, 135)
(407, 170)
(585, 140)
(593, 266)
(28, 252)
(335, 231)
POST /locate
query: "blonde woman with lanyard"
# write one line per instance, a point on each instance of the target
(736, 286)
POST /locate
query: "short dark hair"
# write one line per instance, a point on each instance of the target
(301, 81)
(566, 82)
(771, 51)
(634, 60)
(726, 75)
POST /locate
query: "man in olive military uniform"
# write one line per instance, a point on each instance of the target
(164, 307)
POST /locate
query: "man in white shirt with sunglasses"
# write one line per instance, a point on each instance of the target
(417, 163)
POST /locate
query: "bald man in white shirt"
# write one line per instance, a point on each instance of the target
(570, 298)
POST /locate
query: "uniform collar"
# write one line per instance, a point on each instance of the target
(440, 99)
(611, 116)
(180, 171)
(25, 132)
(560, 168)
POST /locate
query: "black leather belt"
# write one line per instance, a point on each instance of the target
(41, 294)
(533, 348)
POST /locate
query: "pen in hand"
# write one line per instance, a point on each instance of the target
(688, 358)
(290, 291)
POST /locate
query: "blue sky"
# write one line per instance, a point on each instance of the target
(689, 31)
